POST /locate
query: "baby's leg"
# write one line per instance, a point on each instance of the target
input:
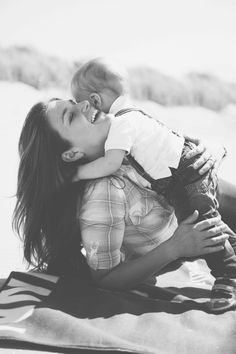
(226, 195)
(202, 197)
(200, 193)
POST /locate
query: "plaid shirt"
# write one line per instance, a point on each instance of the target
(122, 220)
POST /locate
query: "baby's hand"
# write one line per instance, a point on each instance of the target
(76, 177)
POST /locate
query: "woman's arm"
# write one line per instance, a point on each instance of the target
(189, 240)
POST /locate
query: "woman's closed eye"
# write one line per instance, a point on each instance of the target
(70, 117)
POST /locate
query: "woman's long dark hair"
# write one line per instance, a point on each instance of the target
(45, 211)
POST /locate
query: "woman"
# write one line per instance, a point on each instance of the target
(133, 219)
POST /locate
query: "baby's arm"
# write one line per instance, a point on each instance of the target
(103, 166)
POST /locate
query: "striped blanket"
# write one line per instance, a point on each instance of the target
(45, 312)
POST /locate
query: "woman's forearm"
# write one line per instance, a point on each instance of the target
(127, 275)
(190, 239)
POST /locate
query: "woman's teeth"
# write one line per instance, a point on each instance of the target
(93, 116)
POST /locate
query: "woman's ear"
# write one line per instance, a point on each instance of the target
(72, 155)
(95, 100)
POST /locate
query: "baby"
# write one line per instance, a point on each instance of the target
(158, 154)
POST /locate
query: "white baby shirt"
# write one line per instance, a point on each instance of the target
(154, 146)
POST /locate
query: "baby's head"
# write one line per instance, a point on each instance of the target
(100, 82)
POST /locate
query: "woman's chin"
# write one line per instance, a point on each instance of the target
(102, 117)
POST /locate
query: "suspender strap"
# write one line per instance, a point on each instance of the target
(130, 158)
(127, 110)
(139, 168)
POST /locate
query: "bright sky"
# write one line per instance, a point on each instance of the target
(175, 36)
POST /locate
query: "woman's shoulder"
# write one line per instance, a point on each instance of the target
(103, 199)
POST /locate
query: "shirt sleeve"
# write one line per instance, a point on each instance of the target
(102, 224)
(121, 134)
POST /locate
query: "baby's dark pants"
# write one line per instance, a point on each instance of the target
(187, 191)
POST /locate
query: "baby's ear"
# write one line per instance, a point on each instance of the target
(72, 155)
(95, 100)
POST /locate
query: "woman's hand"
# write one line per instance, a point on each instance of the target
(193, 239)
(211, 155)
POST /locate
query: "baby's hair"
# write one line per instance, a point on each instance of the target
(98, 75)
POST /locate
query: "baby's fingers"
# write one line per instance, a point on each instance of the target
(75, 178)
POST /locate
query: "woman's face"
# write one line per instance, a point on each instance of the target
(79, 124)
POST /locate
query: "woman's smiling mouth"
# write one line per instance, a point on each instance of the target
(94, 116)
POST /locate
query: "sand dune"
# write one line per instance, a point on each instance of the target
(16, 100)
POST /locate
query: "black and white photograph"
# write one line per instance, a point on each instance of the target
(118, 177)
